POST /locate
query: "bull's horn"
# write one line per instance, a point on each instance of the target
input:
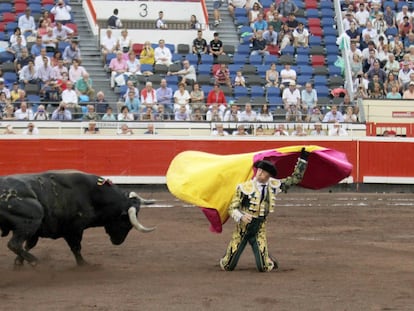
(132, 213)
(143, 201)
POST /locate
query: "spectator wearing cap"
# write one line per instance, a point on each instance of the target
(409, 93)
(404, 74)
(26, 23)
(62, 12)
(291, 96)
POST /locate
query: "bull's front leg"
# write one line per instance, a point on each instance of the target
(74, 242)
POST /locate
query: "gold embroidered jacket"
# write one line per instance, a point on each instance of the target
(247, 196)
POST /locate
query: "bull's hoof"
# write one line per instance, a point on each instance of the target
(18, 262)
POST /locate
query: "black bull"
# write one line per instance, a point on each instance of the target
(62, 204)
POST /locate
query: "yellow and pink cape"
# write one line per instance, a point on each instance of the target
(209, 180)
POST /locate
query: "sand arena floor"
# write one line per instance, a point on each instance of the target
(337, 251)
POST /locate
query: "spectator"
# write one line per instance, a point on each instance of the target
(260, 24)
(254, 13)
(41, 114)
(108, 45)
(26, 23)
(248, 114)
(91, 129)
(404, 75)
(281, 130)
(390, 83)
(394, 93)
(389, 17)
(44, 72)
(118, 67)
(216, 12)
(31, 129)
(350, 116)
(300, 36)
(63, 33)
(272, 76)
(109, 115)
(404, 12)
(187, 74)
(299, 131)
(181, 98)
(293, 114)
(17, 48)
(232, 114)
(214, 113)
(61, 11)
(71, 52)
(379, 24)
(259, 44)
(39, 60)
(240, 131)
(76, 71)
(54, 60)
(133, 66)
(23, 113)
(370, 31)
(315, 116)
(309, 98)
(317, 130)
(291, 96)
(162, 54)
(58, 70)
(84, 86)
(23, 60)
(149, 96)
(61, 113)
(162, 114)
(14, 95)
(150, 129)
(164, 96)
(239, 80)
(197, 98)
(17, 33)
(216, 96)
(286, 7)
(100, 103)
(124, 42)
(37, 47)
(270, 36)
(292, 22)
(194, 24)
(356, 65)
(199, 45)
(8, 113)
(264, 115)
(219, 130)
(222, 75)
(42, 27)
(409, 93)
(196, 115)
(182, 114)
(91, 114)
(125, 115)
(377, 71)
(160, 22)
(133, 103)
(147, 54)
(147, 114)
(114, 22)
(216, 46)
(354, 34)
(69, 96)
(337, 130)
(28, 75)
(333, 115)
(276, 22)
(125, 130)
(233, 4)
(285, 37)
(362, 16)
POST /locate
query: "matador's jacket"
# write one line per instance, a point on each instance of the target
(247, 199)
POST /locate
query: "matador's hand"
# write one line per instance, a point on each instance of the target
(246, 218)
(304, 155)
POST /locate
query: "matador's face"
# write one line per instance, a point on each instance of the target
(262, 176)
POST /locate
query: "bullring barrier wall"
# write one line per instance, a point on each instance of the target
(145, 160)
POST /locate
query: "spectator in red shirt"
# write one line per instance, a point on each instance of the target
(222, 75)
(216, 96)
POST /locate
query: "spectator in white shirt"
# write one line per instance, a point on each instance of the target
(162, 54)
(26, 23)
(61, 11)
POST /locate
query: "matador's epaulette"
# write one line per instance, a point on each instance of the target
(247, 188)
(101, 181)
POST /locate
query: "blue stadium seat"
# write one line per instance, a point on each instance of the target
(315, 41)
(255, 60)
(266, 3)
(239, 59)
(233, 68)
(273, 91)
(240, 12)
(275, 102)
(207, 59)
(10, 77)
(146, 67)
(6, 7)
(240, 91)
(261, 70)
(268, 59)
(334, 70)
(320, 80)
(204, 69)
(288, 50)
(322, 90)
(62, 45)
(329, 31)
(303, 78)
(6, 57)
(306, 70)
(327, 21)
(192, 58)
(327, 12)
(241, 20)
(331, 58)
(35, 8)
(243, 50)
(109, 57)
(171, 47)
(257, 91)
(326, 5)
(302, 51)
(312, 13)
(302, 59)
